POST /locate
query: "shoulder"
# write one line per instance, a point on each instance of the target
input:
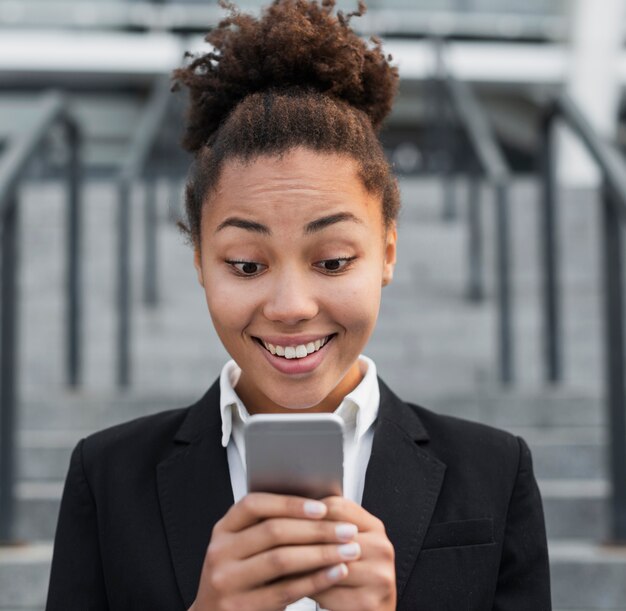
(146, 431)
(472, 446)
(461, 429)
(146, 441)
(457, 442)
(132, 446)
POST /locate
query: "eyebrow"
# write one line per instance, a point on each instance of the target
(326, 221)
(234, 221)
(309, 228)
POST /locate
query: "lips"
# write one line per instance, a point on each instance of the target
(295, 350)
(290, 362)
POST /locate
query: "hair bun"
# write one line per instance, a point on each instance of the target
(294, 44)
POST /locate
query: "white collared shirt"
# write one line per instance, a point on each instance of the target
(358, 410)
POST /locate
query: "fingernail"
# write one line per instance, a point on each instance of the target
(315, 509)
(349, 550)
(337, 572)
(345, 532)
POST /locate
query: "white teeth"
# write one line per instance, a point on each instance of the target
(295, 352)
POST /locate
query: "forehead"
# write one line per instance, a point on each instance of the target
(295, 187)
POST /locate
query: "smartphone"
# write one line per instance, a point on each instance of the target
(299, 454)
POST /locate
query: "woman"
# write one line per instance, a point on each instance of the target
(292, 218)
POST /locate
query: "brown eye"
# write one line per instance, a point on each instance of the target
(333, 266)
(247, 268)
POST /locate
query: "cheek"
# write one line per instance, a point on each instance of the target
(356, 301)
(230, 305)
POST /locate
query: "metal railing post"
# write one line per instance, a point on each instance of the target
(475, 287)
(150, 275)
(503, 266)
(8, 371)
(549, 220)
(74, 304)
(142, 143)
(123, 281)
(614, 326)
(490, 159)
(449, 211)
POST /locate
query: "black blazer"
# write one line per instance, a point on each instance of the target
(458, 499)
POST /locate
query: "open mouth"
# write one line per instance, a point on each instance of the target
(299, 351)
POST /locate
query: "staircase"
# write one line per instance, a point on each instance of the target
(431, 346)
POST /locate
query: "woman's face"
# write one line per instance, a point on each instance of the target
(293, 256)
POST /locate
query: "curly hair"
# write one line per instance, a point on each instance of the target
(296, 76)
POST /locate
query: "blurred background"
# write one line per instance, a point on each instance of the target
(508, 302)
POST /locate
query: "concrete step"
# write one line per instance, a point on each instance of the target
(585, 576)
(576, 509)
(573, 509)
(68, 415)
(548, 408)
(24, 576)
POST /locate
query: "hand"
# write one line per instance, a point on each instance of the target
(270, 550)
(371, 580)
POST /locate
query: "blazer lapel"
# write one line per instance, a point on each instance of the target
(194, 490)
(402, 481)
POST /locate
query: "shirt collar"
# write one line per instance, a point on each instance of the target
(358, 409)
(361, 405)
(229, 400)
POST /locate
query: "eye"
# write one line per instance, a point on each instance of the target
(334, 266)
(247, 268)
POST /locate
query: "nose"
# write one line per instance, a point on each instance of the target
(291, 297)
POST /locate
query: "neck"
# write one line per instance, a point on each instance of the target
(257, 403)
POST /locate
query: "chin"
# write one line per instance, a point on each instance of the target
(297, 402)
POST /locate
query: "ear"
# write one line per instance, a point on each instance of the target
(197, 263)
(390, 254)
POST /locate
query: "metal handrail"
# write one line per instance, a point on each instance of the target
(613, 169)
(493, 165)
(479, 131)
(13, 164)
(132, 168)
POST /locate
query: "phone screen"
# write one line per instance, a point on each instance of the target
(300, 454)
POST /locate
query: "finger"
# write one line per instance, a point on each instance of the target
(351, 593)
(340, 598)
(283, 593)
(258, 506)
(376, 546)
(279, 532)
(368, 574)
(287, 562)
(376, 563)
(343, 509)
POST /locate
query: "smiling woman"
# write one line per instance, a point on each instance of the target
(291, 215)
